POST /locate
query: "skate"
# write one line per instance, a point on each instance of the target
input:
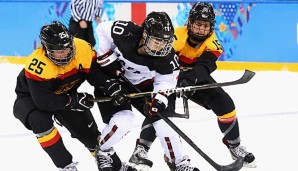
(110, 161)
(240, 151)
(70, 167)
(183, 165)
(139, 159)
(126, 167)
(104, 160)
(171, 166)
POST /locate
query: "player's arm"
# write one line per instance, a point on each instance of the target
(165, 78)
(107, 58)
(167, 72)
(206, 62)
(44, 98)
(204, 66)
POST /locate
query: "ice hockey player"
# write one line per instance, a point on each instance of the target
(144, 56)
(198, 48)
(47, 88)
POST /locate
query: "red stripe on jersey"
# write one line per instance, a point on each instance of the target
(105, 55)
(227, 120)
(145, 83)
(187, 60)
(51, 142)
(108, 136)
(62, 76)
(169, 144)
(72, 72)
(33, 77)
(216, 53)
(138, 12)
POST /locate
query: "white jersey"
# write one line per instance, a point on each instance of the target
(119, 40)
(123, 38)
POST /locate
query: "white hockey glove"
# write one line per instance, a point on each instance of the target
(158, 103)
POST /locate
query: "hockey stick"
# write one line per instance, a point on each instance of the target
(235, 166)
(247, 76)
(185, 107)
(185, 103)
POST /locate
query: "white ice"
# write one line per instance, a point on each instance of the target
(267, 109)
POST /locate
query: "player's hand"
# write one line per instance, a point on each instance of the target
(79, 101)
(114, 89)
(186, 79)
(110, 63)
(158, 103)
(83, 24)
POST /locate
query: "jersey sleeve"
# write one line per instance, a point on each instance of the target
(164, 82)
(166, 74)
(206, 63)
(45, 99)
(105, 40)
(213, 45)
(97, 77)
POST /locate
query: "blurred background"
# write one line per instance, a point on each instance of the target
(260, 35)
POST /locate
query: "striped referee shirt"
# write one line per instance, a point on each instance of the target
(85, 9)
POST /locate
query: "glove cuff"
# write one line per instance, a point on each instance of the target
(107, 58)
(162, 98)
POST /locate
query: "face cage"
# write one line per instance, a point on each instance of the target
(194, 36)
(62, 61)
(150, 50)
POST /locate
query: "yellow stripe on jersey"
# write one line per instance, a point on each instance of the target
(228, 118)
(189, 53)
(49, 136)
(40, 67)
(228, 115)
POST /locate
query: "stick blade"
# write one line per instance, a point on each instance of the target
(235, 166)
(247, 76)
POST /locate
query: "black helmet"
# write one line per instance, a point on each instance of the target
(56, 36)
(158, 28)
(203, 12)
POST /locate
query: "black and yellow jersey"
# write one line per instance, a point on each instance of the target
(202, 57)
(48, 83)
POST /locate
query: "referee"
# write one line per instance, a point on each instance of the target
(83, 13)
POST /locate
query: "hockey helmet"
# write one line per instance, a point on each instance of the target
(58, 43)
(158, 34)
(201, 11)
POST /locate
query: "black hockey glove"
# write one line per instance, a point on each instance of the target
(110, 63)
(114, 89)
(186, 79)
(158, 103)
(79, 101)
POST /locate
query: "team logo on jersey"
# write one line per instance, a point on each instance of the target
(66, 87)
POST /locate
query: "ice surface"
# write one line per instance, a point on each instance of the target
(267, 109)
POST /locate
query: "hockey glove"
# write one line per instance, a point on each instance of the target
(186, 79)
(79, 101)
(114, 89)
(158, 103)
(110, 63)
